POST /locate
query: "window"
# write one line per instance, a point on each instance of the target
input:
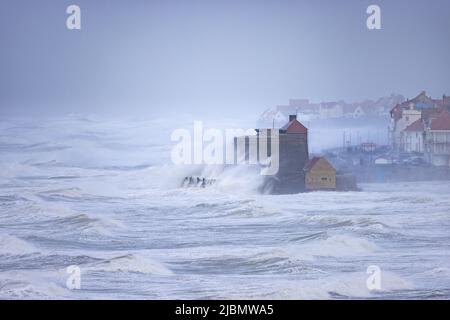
(324, 179)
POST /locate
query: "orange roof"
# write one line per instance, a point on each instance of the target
(294, 126)
(441, 122)
(311, 163)
(415, 126)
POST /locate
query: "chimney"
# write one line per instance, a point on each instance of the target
(292, 117)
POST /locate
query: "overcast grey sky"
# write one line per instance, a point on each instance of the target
(195, 56)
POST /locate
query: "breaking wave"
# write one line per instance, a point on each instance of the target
(11, 245)
(129, 263)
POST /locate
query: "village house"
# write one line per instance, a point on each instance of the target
(331, 110)
(319, 175)
(302, 107)
(405, 118)
(356, 112)
(412, 138)
(437, 139)
(359, 110)
(412, 123)
(309, 111)
(406, 113)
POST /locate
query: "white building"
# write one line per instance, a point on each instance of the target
(405, 113)
(398, 125)
(412, 137)
(331, 110)
(437, 139)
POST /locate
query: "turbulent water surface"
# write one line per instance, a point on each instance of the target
(103, 195)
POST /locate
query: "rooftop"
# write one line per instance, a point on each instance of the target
(415, 126)
(314, 161)
(294, 126)
(441, 122)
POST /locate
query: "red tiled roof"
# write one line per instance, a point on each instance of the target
(294, 126)
(311, 163)
(441, 122)
(415, 126)
(430, 113)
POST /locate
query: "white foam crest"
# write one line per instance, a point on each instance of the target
(11, 245)
(240, 179)
(353, 285)
(130, 263)
(333, 246)
(32, 285)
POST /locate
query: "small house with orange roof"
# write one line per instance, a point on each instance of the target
(319, 175)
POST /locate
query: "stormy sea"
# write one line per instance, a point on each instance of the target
(103, 195)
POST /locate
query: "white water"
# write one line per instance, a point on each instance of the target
(103, 195)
